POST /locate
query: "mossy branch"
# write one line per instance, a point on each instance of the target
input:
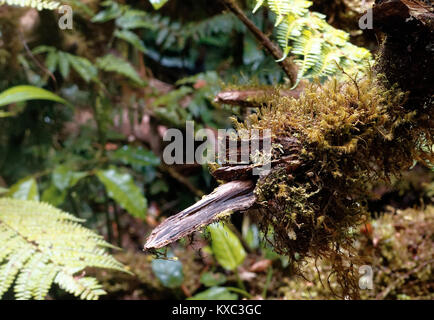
(253, 97)
(333, 143)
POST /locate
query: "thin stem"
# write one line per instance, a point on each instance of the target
(107, 217)
(74, 205)
(109, 227)
(239, 281)
(118, 225)
(180, 178)
(240, 291)
(39, 64)
(267, 282)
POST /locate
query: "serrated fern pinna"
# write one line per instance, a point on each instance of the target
(38, 4)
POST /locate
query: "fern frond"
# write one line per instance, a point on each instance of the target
(284, 7)
(41, 245)
(317, 46)
(310, 48)
(37, 4)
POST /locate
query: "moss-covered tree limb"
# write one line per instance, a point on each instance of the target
(252, 97)
(312, 133)
(331, 144)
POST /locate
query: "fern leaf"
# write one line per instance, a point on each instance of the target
(309, 47)
(316, 45)
(111, 63)
(284, 7)
(259, 4)
(290, 28)
(157, 4)
(41, 245)
(83, 67)
(121, 188)
(37, 4)
(330, 61)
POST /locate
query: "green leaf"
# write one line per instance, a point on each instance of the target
(121, 188)
(258, 5)
(157, 4)
(136, 156)
(133, 19)
(4, 114)
(54, 196)
(51, 61)
(252, 236)
(83, 67)
(210, 279)
(111, 63)
(226, 247)
(42, 245)
(25, 93)
(25, 189)
(63, 64)
(110, 13)
(64, 178)
(43, 49)
(79, 7)
(316, 45)
(61, 177)
(215, 293)
(131, 38)
(158, 186)
(169, 272)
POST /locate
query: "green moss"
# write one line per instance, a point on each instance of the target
(352, 133)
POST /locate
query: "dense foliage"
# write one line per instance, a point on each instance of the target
(82, 118)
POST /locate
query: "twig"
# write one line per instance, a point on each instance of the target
(267, 282)
(239, 280)
(240, 291)
(288, 67)
(118, 224)
(39, 64)
(382, 295)
(107, 217)
(180, 178)
(251, 98)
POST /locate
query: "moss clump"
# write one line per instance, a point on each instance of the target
(401, 247)
(350, 134)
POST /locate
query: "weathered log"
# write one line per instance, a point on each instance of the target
(252, 98)
(228, 198)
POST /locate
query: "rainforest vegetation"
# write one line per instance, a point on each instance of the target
(97, 201)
